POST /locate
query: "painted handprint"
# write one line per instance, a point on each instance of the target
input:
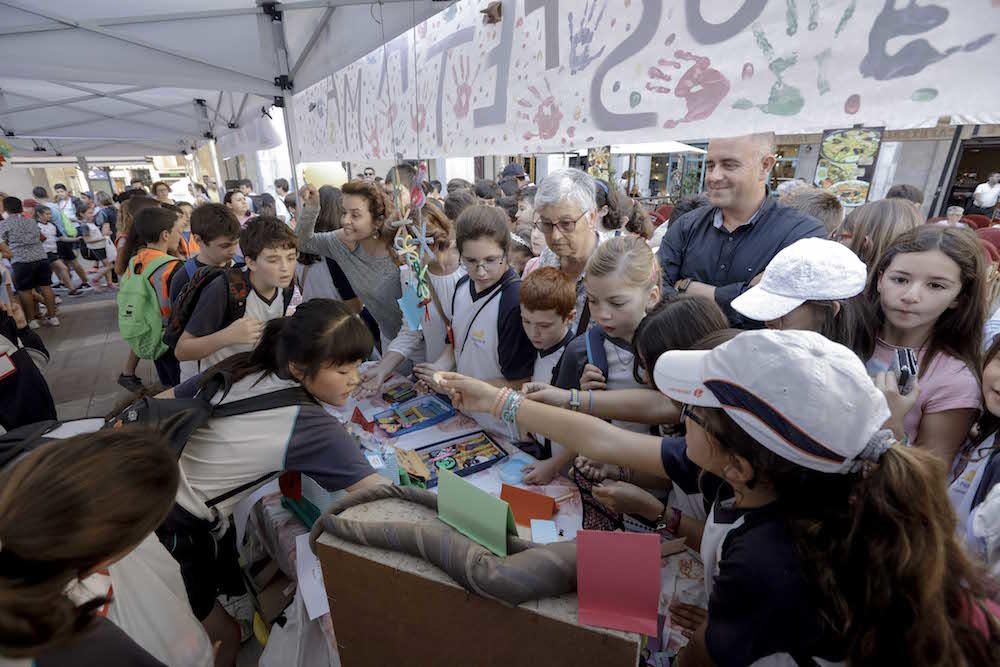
(582, 36)
(418, 115)
(374, 145)
(548, 115)
(702, 87)
(784, 99)
(657, 74)
(463, 78)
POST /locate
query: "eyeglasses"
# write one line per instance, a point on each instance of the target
(487, 263)
(688, 413)
(565, 226)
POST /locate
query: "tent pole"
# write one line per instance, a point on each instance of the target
(286, 113)
(85, 168)
(219, 183)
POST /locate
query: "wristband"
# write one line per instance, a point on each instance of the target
(590, 401)
(574, 400)
(672, 522)
(499, 401)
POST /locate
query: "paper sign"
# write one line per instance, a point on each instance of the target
(474, 513)
(544, 532)
(241, 513)
(411, 308)
(309, 575)
(618, 580)
(527, 505)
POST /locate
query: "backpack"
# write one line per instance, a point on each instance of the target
(68, 226)
(236, 304)
(175, 418)
(139, 318)
(596, 356)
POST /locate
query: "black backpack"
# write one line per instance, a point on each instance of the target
(238, 290)
(175, 418)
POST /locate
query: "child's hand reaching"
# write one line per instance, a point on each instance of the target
(540, 473)
(592, 378)
(628, 498)
(687, 617)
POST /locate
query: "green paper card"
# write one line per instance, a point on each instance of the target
(474, 513)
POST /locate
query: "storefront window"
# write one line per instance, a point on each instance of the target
(784, 167)
(677, 175)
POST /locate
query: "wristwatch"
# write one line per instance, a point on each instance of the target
(683, 284)
(668, 520)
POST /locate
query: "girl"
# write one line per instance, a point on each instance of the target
(488, 340)
(318, 349)
(810, 285)
(869, 229)
(69, 509)
(976, 469)
(809, 555)
(622, 284)
(443, 273)
(238, 204)
(128, 379)
(926, 293)
(362, 247)
(95, 238)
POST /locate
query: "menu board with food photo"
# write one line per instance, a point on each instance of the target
(847, 163)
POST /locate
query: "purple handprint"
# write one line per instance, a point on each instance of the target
(581, 37)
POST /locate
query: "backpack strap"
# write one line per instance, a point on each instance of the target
(275, 399)
(595, 350)
(287, 295)
(240, 489)
(239, 289)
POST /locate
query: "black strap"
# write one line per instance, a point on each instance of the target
(499, 290)
(240, 489)
(269, 401)
(581, 328)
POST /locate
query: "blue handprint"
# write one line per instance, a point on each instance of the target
(581, 37)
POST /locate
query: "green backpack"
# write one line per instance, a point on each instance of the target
(69, 229)
(139, 319)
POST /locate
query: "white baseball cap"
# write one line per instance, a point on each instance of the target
(808, 270)
(804, 397)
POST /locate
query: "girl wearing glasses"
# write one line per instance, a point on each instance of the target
(487, 339)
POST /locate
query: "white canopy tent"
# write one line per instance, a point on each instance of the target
(144, 82)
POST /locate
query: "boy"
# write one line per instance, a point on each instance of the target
(271, 249)
(548, 308)
(216, 232)
(67, 241)
(43, 215)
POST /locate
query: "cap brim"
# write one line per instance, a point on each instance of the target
(763, 306)
(678, 374)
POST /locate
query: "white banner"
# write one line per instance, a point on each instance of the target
(557, 75)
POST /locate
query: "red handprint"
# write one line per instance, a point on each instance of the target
(547, 115)
(702, 87)
(418, 117)
(373, 139)
(657, 74)
(463, 79)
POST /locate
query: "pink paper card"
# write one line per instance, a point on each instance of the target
(618, 580)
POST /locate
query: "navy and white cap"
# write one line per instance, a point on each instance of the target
(804, 397)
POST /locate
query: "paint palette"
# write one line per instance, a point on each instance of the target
(414, 415)
(463, 455)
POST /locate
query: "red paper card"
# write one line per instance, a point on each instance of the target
(527, 505)
(618, 580)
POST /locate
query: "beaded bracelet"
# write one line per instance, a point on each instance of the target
(574, 400)
(499, 401)
(509, 414)
(590, 399)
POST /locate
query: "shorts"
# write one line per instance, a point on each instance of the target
(29, 275)
(98, 254)
(209, 567)
(67, 249)
(53, 257)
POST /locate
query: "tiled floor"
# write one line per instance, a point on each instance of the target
(87, 355)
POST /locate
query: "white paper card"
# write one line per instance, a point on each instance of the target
(310, 578)
(544, 532)
(241, 513)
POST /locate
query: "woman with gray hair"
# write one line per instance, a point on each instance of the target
(566, 213)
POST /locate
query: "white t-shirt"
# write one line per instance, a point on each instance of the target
(316, 281)
(49, 232)
(986, 195)
(429, 342)
(95, 237)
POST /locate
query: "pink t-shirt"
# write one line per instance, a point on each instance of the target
(947, 384)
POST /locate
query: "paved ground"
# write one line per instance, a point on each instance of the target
(87, 355)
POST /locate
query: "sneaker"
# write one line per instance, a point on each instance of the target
(130, 382)
(84, 287)
(74, 293)
(59, 288)
(33, 324)
(52, 321)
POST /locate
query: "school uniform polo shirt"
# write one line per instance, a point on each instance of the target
(231, 451)
(546, 361)
(209, 316)
(620, 375)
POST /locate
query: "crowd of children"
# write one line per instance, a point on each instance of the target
(835, 467)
